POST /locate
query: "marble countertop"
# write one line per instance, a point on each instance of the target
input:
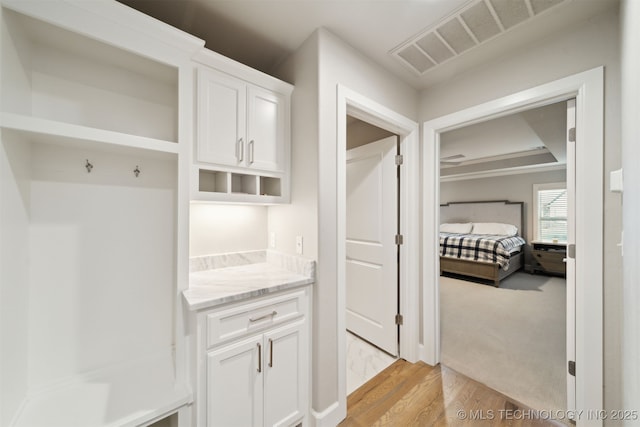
(220, 279)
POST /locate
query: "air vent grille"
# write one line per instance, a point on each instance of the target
(476, 23)
(456, 36)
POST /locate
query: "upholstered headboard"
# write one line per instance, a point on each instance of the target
(485, 211)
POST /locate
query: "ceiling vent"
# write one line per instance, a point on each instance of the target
(474, 24)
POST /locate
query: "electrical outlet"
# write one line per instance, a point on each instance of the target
(272, 239)
(299, 245)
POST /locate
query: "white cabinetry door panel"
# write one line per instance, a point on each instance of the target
(266, 127)
(221, 118)
(284, 383)
(235, 384)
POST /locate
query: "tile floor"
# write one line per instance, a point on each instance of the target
(364, 361)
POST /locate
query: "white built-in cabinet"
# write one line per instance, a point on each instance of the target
(96, 121)
(242, 149)
(253, 362)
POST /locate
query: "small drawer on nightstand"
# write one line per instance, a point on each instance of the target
(242, 319)
(550, 257)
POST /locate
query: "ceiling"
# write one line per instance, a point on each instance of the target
(263, 33)
(521, 141)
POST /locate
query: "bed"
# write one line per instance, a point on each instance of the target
(482, 240)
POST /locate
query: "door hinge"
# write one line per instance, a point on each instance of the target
(399, 159)
(571, 251)
(399, 319)
(572, 134)
(399, 239)
(572, 368)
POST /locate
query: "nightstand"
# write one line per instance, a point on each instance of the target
(548, 257)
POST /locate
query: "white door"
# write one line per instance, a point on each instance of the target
(235, 384)
(372, 255)
(570, 260)
(265, 129)
(221, 118)
(284, 375)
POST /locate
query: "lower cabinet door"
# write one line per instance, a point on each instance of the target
(285, 395)
(235, 384)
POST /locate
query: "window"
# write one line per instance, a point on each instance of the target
(550, 212)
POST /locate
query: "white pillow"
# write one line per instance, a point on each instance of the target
(460, 228)
(495, 228)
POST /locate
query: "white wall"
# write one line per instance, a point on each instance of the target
(323, 62)
(218, 228)
(15, 169)
(300, 218)
(631, 210)
(341, 65)
(586, 45)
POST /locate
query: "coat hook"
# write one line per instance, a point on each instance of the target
(136, 171)
(89, 166)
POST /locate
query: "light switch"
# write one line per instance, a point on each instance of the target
(299, 245)
(272, 239)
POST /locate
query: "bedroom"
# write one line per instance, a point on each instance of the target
(508, 330)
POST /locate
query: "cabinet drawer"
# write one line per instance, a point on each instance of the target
(237, 321)
(551, 261)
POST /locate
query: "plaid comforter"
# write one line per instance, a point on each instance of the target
(480, 247)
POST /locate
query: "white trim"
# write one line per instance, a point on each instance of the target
(518, 170)
(349, 101)
(330, 417)
(588, 88)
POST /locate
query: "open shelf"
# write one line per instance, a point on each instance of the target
(213, 181)
(94, 119)
(235, 187)
(270, 186)
(89, 270)
(56, 75)
(244, 184)
(61, 133)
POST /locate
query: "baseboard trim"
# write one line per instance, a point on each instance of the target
(330, 417)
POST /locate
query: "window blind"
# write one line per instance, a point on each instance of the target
(552, 215)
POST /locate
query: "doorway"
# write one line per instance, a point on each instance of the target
(587, 88)
(351, 103)
(510, 334)
(372, 254)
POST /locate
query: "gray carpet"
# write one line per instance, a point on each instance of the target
(510, 338)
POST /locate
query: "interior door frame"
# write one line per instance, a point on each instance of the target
(588, 89)
(359, 106)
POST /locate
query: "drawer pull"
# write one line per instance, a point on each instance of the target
(255, 319)
(251, 152)
(259, 357)
(240, 150)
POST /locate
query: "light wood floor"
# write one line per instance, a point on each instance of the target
(407, 394)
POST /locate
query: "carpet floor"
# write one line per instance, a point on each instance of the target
(510, 338)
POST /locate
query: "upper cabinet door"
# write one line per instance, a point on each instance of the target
(266, 126)
(221, 119)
